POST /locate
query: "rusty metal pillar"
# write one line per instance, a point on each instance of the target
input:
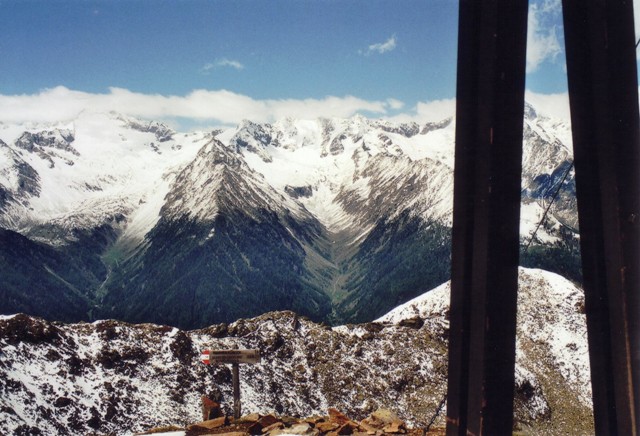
(489, 115)
(603, 92)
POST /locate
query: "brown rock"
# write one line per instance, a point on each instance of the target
(338, 417)
(395, 427)
(327, 426)
(381, 418)
(209, 424)
(385, 415)
(233, 433)
(289, 420)
(275, 426)
(255, 428)
(210, 409)
(345, 429)
(314, 419)
(267, 420)
(252, 417)
(368, 428)
(300, 428)
(415, 323)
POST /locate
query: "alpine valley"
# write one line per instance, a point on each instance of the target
(340, 220)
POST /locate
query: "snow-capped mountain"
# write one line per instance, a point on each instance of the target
(110, 377)
(87, 171)
(337, 219)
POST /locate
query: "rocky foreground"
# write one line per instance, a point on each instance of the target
(379, 423)
(110, 377)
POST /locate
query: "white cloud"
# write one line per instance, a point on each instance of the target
(436, 110)
(206, 69)
(542, 37)
(395, 104)
(428, 111)
(230, 63)
(382, 47)
(550, 105)
(221, 106)
(221, 63)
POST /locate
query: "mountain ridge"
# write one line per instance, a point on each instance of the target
(347, 216)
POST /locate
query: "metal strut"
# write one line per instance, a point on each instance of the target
(603, 94)
(486, 214)
(603, 91)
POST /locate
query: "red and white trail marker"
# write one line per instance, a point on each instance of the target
(204, 357)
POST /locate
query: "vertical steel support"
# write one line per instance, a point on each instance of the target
(489, 115)
(603, 91)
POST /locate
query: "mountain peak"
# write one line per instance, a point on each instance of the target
(530, 112)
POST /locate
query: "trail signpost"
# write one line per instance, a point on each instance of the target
(235, 358)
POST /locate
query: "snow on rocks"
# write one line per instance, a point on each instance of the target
(114, 377)
(551, 347)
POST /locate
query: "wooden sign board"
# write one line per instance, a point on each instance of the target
(235, 357)
(232, 356)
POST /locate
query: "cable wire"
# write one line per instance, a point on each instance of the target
(544, 216)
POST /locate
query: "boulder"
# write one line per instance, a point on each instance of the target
(209, 424)
(385, 420)
(395, 427)
(415, 323)
(252, 417)
(210, 409)
(303, 428)
(267, 420)
(272, 428)
(338, 417)
(327, 426)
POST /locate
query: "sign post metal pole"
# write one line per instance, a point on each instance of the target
(235, 370)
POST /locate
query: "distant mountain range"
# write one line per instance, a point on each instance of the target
(341, 220)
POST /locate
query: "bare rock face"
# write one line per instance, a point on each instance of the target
(48, 145)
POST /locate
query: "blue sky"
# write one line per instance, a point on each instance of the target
(378, 57)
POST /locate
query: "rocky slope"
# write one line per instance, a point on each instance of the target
(114, 377)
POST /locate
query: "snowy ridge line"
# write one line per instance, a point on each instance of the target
(113, 158)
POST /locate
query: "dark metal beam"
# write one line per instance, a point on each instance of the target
(603, 91)
(489, 117)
